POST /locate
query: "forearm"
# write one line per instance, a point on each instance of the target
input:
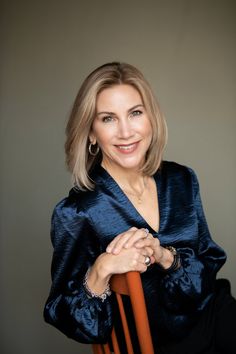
(99, 275)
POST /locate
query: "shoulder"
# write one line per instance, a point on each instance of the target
(176, 170)
(76, 206)
(177, 175)
(69, 219)
(69, 206)
(78, 203)
(70, 211)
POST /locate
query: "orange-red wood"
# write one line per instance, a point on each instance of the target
(125, 324)
(130, 284)
(140, 312)
(115, 342)
(98, 349)
(106, 349)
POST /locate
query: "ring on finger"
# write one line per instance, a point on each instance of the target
(146, 232)
(147, 261)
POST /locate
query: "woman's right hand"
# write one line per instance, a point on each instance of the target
(132, 259)
(107, 264)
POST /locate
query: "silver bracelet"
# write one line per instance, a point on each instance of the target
(91, 294)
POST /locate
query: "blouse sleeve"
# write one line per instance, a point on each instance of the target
(68, 308)
(189, 288)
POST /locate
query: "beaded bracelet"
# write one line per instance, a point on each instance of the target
(91, 294)
(176, 264)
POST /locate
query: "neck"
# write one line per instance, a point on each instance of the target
(128, 179)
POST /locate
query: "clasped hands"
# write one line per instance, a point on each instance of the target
(133, 248)
(127, 252)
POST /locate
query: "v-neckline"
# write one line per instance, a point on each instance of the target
(156, 177)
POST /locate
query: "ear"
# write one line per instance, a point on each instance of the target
(92, 138)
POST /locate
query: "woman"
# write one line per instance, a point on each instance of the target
(130, 211)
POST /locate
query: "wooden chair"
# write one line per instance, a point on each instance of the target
(129, 284)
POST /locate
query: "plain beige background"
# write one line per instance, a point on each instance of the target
(187, 51)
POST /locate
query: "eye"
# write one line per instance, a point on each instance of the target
(136, 113)
(107, 119)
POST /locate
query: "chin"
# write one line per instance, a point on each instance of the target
(132, 165)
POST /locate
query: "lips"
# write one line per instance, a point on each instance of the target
(127, 148)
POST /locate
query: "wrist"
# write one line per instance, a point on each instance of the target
(166, 258)
(102, 267)
(98, 276)
(101, 295)
(167, 267)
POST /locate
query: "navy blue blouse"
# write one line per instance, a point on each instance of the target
(85, 222)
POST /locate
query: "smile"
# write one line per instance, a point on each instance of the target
(127, 148)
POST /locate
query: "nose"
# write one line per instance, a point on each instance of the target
(125, 129)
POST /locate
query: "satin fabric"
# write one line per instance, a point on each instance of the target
(85, 222)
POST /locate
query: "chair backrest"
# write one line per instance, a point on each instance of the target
(129, 284)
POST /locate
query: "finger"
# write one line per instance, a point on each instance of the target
(116, 239)
(123, 240)
(135, 237)
(141, 268)
(144, 243)
(139, 265)
(113, 243)
(150, 241)
(130, 259)
(152, 259)
(138, 260)
(148, 251)
(119, 241)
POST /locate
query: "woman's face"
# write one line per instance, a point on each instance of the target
(121, 128)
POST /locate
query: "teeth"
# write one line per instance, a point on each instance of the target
(126, 147)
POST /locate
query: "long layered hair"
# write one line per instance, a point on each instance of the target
(78, 158)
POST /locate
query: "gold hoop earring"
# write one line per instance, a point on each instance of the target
(93, 153)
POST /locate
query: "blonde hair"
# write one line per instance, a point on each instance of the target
(78, 158)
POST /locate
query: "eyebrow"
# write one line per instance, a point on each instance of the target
(129, 110)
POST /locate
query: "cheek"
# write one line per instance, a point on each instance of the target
(147, 128)
(149, 132)
(102, 134)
